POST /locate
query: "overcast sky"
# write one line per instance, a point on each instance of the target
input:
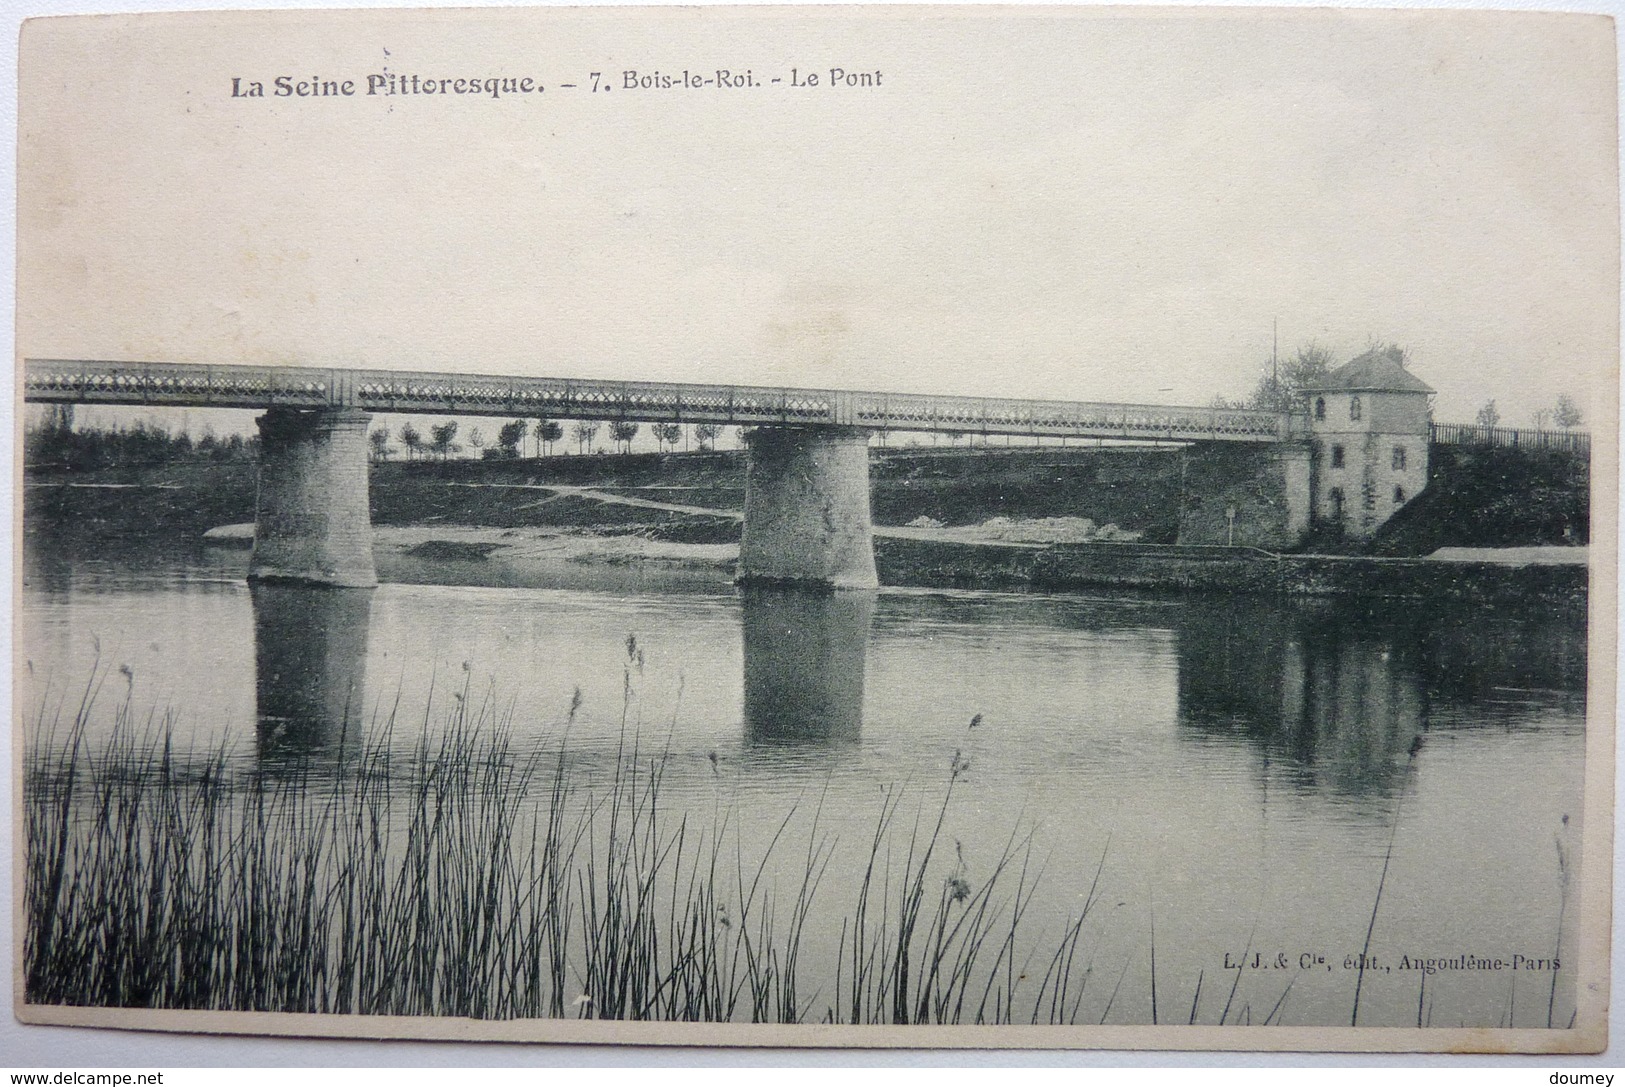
(1077, 205)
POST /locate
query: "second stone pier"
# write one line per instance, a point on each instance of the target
(311, 518)
(807, 508)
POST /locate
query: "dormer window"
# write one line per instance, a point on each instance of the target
(1337, 456)
(1399, 458)
(1320, 408)
(1354, 408)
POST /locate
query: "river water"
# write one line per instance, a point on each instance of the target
(1231, 777)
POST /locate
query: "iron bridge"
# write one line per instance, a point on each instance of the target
(261, 387)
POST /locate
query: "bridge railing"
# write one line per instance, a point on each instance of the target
(65, 381)
(755, 405)
(907, 411)
(579, 399)
(472, 394)
(1572, 441)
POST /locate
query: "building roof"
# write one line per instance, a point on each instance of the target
(1377, 370)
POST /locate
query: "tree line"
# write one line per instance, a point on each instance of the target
(1565, 415)
(544, 435)
(55, 441)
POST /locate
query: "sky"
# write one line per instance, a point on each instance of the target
(1069, 204)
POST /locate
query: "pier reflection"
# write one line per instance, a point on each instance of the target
(1342, 691)
(804, 664)
(310, 649)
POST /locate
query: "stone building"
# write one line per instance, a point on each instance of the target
(1369, 427)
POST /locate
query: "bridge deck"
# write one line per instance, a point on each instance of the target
(261, 387)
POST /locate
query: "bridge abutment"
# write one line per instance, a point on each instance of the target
(1245, 495)
(311, 519)
(807, 508)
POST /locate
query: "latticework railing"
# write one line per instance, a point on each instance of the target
(181, 384)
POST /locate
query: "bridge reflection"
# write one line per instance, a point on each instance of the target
(1341, 691)
(310, 650)
(804, 664)
(1333, 694)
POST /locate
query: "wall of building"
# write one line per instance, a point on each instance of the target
(1368, 468)
(1387, 413)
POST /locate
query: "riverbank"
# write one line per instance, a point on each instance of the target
(994, 518)
(1485, 576)
(955, 558)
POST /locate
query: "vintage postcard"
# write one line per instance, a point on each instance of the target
(884, 526)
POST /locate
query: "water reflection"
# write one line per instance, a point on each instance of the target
(1343, 691)
(804, 664)
(310, 648)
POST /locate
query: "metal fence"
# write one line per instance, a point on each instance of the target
(1569, 441)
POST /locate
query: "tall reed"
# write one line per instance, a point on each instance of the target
(458, 874)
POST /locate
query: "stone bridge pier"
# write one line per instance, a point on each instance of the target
(807, 508)
(312, 523)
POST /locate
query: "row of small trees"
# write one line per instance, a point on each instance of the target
(1565, 415)
(510, 439)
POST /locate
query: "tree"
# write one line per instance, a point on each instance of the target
(476, 439)
(443, 435)
(667, 434)
(379, 439)
(1567, 413)
(548, 431)
(1282, 389)
(584, 432)
(705, 434)
(623, 431)
(510, 437)
(1540, 417)
(412, 440)
(1392, 351)
(1488, 415)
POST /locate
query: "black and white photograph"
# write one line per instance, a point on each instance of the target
(1043, 527)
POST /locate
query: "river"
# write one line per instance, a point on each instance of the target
(1226, 780)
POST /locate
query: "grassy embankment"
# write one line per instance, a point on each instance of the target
(1490, 497)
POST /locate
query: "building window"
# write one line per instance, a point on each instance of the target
(1320, 407)
(1399, 496)
(1337, 503)
(1337, 456)
(1354, 407)
(1399, 458)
